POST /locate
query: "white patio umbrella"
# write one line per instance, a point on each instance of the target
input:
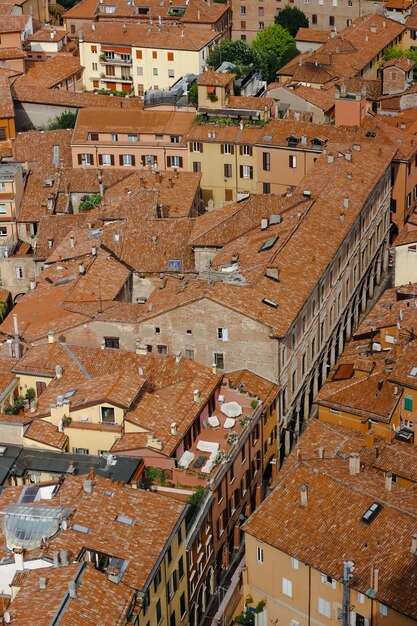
(231, 409)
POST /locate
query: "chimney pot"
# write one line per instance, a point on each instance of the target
(321, 453)
(72, 590)
(388, 481)
(214, 368)
(51, 337)
(72, 241)
(197, 395)
(303, 495)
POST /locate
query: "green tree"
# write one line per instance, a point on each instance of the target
(275, 47)
(3, 310)
(90, 202)
(238, 52)
(193, 94)
(291, 19)
(66, 119)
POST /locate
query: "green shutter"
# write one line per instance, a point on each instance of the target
(408, 403)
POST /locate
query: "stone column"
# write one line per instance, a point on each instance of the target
(316, 382)
(349, 326)
(341, 341)
(378, 271)
(356, 315)
(236, 536)
(287, 443)
(363, 301)
(332, 354)
(371, 283)
(307, 404)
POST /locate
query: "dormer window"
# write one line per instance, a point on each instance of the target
(293, 141)
(107, 415)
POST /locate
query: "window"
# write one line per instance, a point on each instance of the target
(170, 56)
(19, 272)
(181, 568)
(114, 137)
(139, 71)
(259, 555)
(154, 54)
(243, 10)
(3, 231)
(350, 3)
(106, 159)
(314, 19)
(383, 609)
(94, 67)
(162, 349)
(294, 563)
(197, 167)
(94, 49)
(227, 170)
(155, 71)
(2, 209)
(182, 606)
(261, 11)
(246, 171)
(243, 26)
(247, 151)
(328, 580)
(175, 139)
(158, 611)
(223, 334)
(169, 554)
(81, 451)
(261, 25)
(331, 20)
(174, 161)
(227, 148)
(174, 265)
(287, 587)
(292, 161)
(107, 415)
(266, 188)
(127, 160)
(266, 161)
(219, 360)
(111, 342)
(189, 354)
(361, 598)
(324, 607)
(408, 403)
(132, 138)
(196, 146)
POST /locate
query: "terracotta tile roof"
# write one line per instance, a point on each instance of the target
(311, 34)
(35, 147)
(11, 53)
(15, 419)
(145, 36)
(7, 378)
(199, 132)
(398, 4)
(130, 442)
(196, 11)
(281, 522)
(14, 24)
(347, 53)
(98, 599)
(55, 227)
(215, 79)
(322, 98)
(144, 122)
(154, 517)
(49, 73)
(406, 236)
(264, 389)
(250, 103)
(371, 88)
(44, 34)
(399, 459)
(4, 295)
(46, 433)
(386, 313)
(403, 63)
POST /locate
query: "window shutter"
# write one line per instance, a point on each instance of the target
(200, 145)
(111, 159)
(191, 147)
(241, 171)
(180, 161)
(251, 172)
(225, 170)
(241, 150)
(121, 159)
(222, 149)
(169, 161)
(232, 149)
(80, 159)
(100, 159)
(133, 160)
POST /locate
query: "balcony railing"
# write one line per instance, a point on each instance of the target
(116, 79)
(110, 61)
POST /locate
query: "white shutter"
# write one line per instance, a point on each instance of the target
(225, 334)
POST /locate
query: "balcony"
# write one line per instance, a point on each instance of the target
(116, 79)
(117, 61)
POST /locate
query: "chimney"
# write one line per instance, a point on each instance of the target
(103, 344)
(141, 349)
(50, 242)
(72, 241)
(18, 558)
(348, 156)
(178, 357)
(51, 337)
(64, 557)
(330, 158)
(370, 438)
(162, 281)
(321, 453)
(174, 428)
(58, 371)
(388, 481)
(56, 558)
(42, 583)
(214, 368)
(376, 577)
(100, 185)
(303, 495)
(88, 486)
(72, 590)
(81, 268)
(395, 390)
(380, 385)
(342, 217)
(32, 284)
(94, 250)
(264, 223)
(197, 395)
(346, 202)
(414, 543)
(354, 463)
